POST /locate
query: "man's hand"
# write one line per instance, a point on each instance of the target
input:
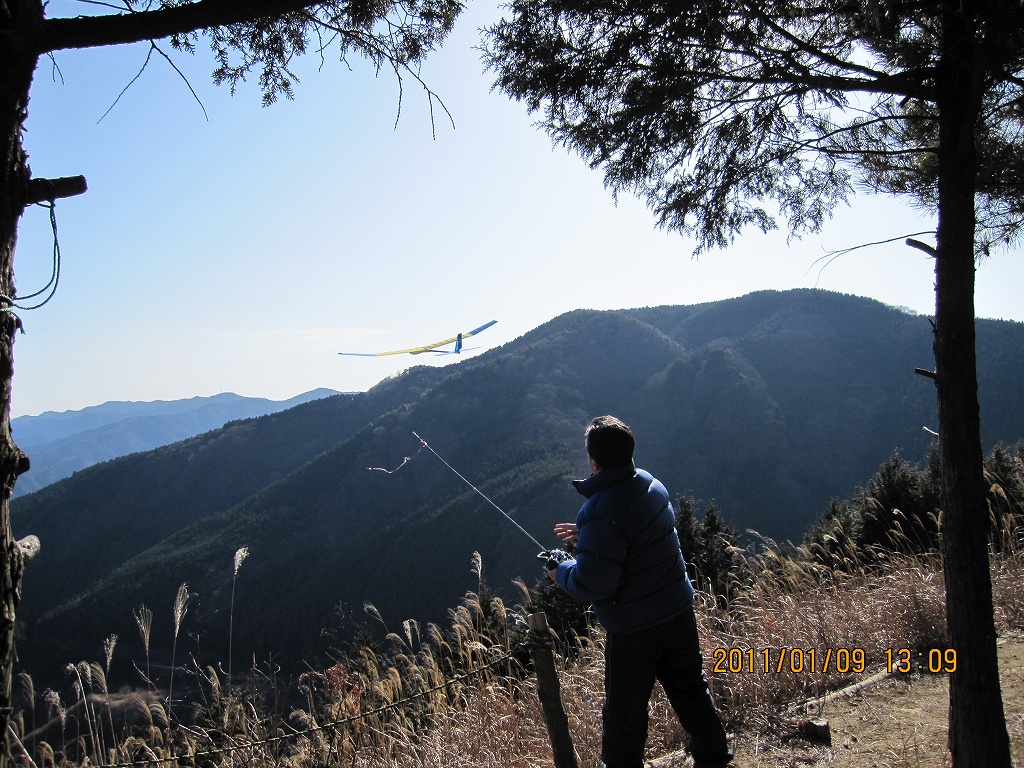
(567, 532)
(552, 558)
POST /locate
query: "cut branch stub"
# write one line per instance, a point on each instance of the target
(40, 190)
(922, 247)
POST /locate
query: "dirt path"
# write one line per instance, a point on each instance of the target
(896, 723)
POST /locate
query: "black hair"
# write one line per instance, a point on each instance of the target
(610, 442)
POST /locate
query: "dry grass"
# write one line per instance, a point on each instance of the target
(847, 621)
(457, 697)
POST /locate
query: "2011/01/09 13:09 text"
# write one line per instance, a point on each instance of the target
(838, 660)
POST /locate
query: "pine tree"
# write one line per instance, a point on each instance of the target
(734, 114)
(710, 548)
(899, 510)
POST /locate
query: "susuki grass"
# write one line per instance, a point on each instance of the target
(240, 554)
(801, 633)
(463, 695)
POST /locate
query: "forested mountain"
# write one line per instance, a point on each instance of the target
(62, 443)
(770, 404)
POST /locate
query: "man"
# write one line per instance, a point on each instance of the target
(628, 565)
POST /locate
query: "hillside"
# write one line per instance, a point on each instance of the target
(771, 404)
(60, 444)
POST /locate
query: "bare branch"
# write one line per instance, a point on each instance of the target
(182, 76)
(833, 255)
(105, 5)
(56, 69)
(131, 82)
(397, 65)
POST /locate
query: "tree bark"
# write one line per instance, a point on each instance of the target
(17, 65)
(977, 725)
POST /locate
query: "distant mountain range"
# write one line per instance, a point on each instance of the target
(60, 444)
(770, 404)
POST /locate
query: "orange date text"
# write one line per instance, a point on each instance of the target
(794, 660)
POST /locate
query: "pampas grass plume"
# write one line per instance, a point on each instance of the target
(240, 555)
(181, 602)
(108, 650)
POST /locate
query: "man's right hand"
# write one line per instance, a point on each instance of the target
(552, 558)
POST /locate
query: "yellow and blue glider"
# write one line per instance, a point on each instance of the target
(429, 347)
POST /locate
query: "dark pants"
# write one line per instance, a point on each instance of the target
(670, 653)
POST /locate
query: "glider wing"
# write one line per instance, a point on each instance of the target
(457, 340)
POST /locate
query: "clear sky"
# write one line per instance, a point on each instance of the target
(241, 253)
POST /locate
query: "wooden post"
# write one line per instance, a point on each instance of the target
(550, 692)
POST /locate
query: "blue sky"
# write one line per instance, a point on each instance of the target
(241, 253)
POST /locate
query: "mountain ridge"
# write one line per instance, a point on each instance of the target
(61, 443)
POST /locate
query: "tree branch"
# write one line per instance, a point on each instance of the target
(831, 256)
(763, 75)
(53, 189)
(370, 44)
(116, 29)
(865, 123)
(809, 49)
(906, 83)
(922, 247)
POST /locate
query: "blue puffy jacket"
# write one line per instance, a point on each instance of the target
(628, 562)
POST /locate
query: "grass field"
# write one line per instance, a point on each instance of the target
(459, 697)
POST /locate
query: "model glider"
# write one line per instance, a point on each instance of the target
(429, 347)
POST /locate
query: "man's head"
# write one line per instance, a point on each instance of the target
(609, 443)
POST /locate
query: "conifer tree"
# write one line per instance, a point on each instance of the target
(710, 548)
(687, 527)
(899, 509)
(729, 114)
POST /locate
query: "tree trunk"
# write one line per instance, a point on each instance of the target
(17, 65)
(977, 725)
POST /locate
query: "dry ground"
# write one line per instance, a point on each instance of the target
(897, 722)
